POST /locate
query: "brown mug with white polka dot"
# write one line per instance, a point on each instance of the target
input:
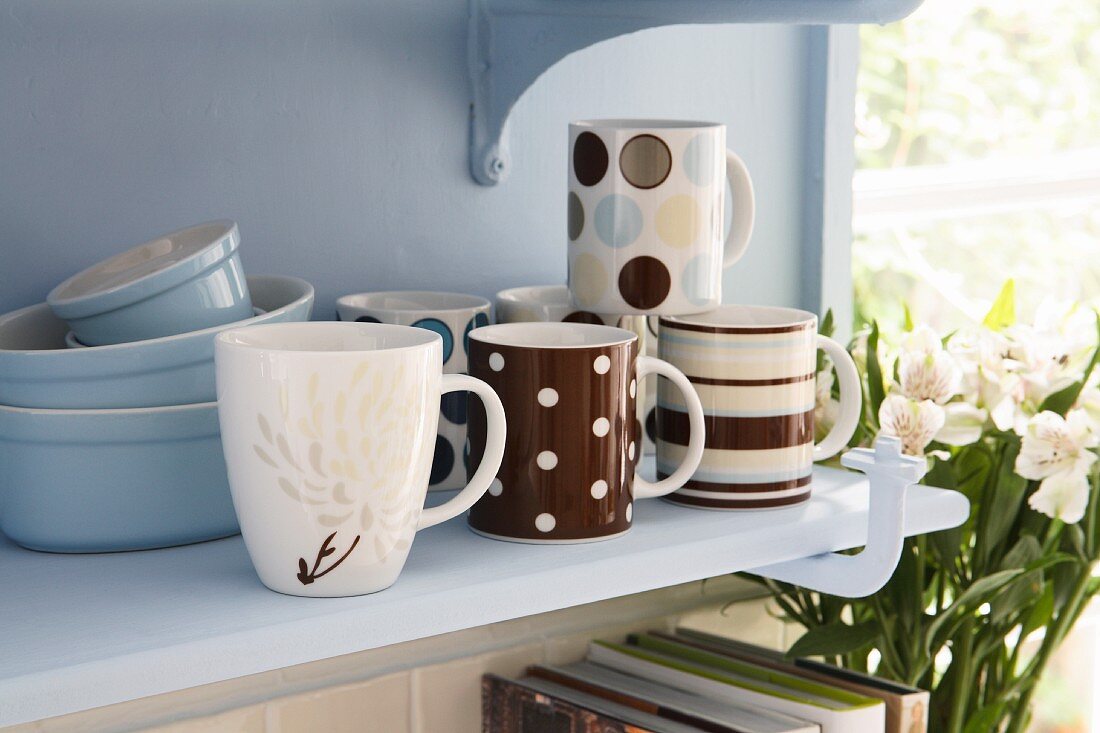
(646, 216)
(569, 392)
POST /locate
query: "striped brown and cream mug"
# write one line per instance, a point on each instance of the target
(754, 369)
(569, 392)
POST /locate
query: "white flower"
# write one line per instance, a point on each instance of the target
(1053, 444)
(925, 370)
(1056, 450)
(1062, 496)
(1089, 402)
(963, 423)
(915, 422)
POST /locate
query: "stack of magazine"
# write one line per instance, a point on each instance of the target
(691, 681)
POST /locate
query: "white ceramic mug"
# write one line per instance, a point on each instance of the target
(328, 431)
(452, 316)
(645, 215)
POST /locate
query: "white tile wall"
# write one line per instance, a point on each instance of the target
(430, 685)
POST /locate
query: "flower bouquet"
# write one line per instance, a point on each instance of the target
(1008, 413)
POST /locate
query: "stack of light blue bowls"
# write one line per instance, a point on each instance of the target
(108, 422)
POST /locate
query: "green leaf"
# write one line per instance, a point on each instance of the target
(828, 324)
(827, 327)
(1040, 613)
(1016, 596)
(1003, 311)
(908, 317)
(1076, 538)
(900, 588)
(876, 390)
(1026, 550)
(834, 639)
(1006, 497)
(986, 719)
(980, 591)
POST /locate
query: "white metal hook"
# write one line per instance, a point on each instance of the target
(890, 474)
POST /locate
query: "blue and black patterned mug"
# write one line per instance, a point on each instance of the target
(452, 316)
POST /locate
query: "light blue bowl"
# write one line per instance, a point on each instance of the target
(37, 370)
(107, 480)
(184, 281)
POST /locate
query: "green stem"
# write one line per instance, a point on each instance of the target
(961, 661)
(1054, 636)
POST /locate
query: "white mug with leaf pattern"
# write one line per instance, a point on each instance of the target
(329, 431)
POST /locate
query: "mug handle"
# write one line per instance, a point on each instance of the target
(851, 400)
(744, 207)
(644, 489)
(494, 450)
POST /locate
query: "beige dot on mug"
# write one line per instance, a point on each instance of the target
(600, 427)
(602, 364)
(599, 489)
(496, 488)
(678, 221)
(588, 279)
(496, 361)
(548, 397)
(546, 460)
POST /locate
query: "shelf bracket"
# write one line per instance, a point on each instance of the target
(512, 42)
(890, 474)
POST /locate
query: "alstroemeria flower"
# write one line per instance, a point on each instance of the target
(1062, 496)
(1056, 450)
(915, 422)
(963, 424)
(925, 370)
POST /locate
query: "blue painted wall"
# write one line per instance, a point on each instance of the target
(335, 132)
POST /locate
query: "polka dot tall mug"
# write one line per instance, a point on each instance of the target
(569, 392)
(645, 215)
(452, 316)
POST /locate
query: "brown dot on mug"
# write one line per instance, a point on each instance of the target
(645, 161)
(644, 282)
(589, 158)
(583, 317)
(576, 216)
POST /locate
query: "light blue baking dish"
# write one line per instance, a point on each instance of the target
(179, 282)
(37, 370)
(108, 480)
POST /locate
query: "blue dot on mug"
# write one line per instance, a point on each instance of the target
(453, 407)
(434, 324)
(443, 462)
(618, 220)
(698, 280)
(367, 319)
(699, 160)
(479, 320)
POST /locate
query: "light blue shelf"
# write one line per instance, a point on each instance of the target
(85, 631)
(512, 42)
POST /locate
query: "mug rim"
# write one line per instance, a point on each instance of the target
(641, 123)
(614, 336)
(461, 301)
(515, 295)
(742, 318)
(249, 338)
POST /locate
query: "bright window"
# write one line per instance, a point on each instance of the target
(978, 149)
